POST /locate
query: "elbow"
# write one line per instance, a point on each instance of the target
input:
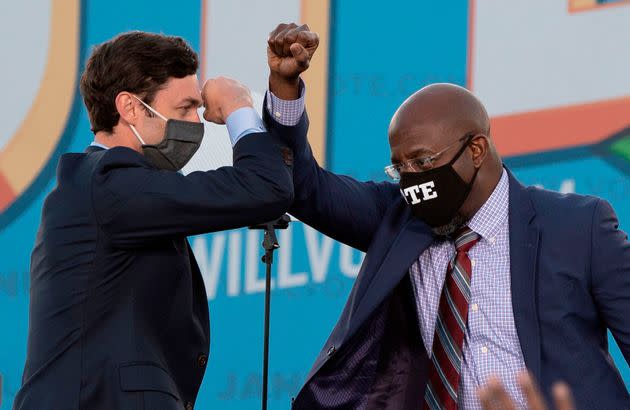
(285, 198)
(285, 192)
(282, 200)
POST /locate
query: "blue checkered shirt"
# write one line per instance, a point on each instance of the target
(491, 345)
(286, 112)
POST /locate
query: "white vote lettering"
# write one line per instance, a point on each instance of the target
(427, 190)
(411, 191)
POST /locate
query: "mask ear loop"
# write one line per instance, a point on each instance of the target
(461, 150)
(150, 108)
(472, 181)
(133, 129)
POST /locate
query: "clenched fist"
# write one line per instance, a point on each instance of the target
(222, 96)
(289, 52)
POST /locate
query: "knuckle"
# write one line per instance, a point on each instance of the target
(278, 29)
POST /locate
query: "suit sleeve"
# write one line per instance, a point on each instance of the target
(136, 203)
(610, 269)
(338, 206)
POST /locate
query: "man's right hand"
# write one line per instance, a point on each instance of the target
(289, 52)
(222, 96)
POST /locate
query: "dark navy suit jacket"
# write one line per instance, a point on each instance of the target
(570, 283)
(118, 309)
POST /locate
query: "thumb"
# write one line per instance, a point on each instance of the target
(301, 55)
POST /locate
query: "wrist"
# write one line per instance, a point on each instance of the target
(237, 105)
(285, 88)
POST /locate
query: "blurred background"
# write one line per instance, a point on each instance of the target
(552, 73)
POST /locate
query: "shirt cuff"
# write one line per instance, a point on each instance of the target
(286, 112)
(242, 122)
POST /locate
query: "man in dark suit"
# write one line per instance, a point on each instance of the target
(119, 314)
(468, 273)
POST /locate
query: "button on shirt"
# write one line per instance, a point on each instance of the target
(491, 345)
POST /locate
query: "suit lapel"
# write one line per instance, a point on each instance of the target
(411, 241)
(524, 237)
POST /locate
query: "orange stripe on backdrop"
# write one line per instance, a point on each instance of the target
(203, 41)
(471, 43)
(579, 6)
(562, 127)
(316, 13)
(28, 150)
(7, 195)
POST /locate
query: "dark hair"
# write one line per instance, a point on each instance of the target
(138, 62)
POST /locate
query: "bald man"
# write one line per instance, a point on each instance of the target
(468, 273)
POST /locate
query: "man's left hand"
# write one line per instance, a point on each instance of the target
(493, 395)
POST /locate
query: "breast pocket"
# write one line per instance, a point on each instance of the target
(158, 389)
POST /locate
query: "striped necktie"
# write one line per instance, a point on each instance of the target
(450, 327)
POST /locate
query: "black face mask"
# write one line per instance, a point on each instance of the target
(181, 140)
(436, 195)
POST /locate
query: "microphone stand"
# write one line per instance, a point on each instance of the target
(269, 244)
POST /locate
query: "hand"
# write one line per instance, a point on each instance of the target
(289, 52)
(494, 397)
(222, 96)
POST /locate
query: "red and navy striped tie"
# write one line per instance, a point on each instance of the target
(450, 327)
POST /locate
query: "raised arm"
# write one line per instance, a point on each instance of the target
(137, 203)
(339, 206)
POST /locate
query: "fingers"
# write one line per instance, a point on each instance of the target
(562, 397)
(222, 96)
(285, 35)
(302, 58)
(277, 30)
(531, 392)
(274, 34)
(494, 397)
(211, 110)
(309, 39)
(290, 37)
(277, 38)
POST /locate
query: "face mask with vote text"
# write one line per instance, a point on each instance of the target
(436, 195)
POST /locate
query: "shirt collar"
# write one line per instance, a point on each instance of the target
(494, 212)
(98, 144)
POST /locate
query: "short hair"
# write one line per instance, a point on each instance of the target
(137, 62)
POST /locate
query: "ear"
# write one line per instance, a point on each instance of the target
(127, 107)
(480, 147)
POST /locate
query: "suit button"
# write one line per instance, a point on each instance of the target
(202, 360)
(331, 350)
(189, 406)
